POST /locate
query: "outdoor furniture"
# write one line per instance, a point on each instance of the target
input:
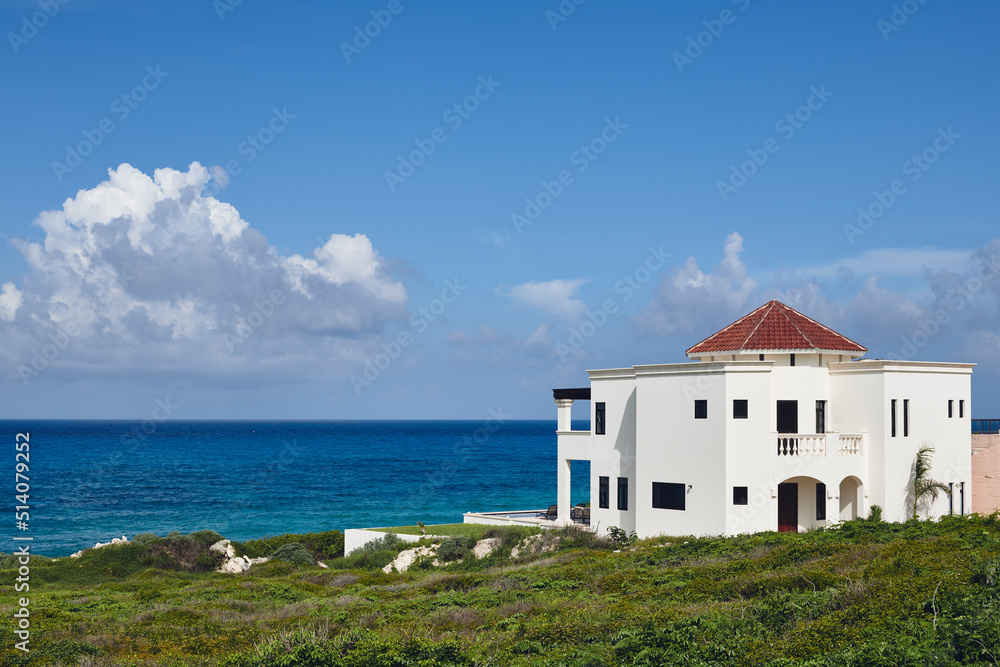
(552, 513)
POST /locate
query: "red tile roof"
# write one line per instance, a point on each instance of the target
(775, 326)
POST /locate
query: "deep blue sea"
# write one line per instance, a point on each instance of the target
(91, 481)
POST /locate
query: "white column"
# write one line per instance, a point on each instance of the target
(565, 414)
(563, 496)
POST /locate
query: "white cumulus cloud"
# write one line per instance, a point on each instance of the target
(153, 275)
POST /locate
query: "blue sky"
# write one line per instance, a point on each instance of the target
(710, 153)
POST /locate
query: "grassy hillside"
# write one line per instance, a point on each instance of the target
(920, 593)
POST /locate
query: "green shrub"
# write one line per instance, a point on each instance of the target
(455, 548)
(324, 546)
(294, 553)
(144, 537)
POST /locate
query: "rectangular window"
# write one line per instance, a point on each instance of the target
(951, 408)
(820, 501)
(961, 409)
(603, 493)
(906, 417)
(740, 409)
(623, 493)
(791, 360)
(667, 496)
(821, 416)
(599, 418)
(701, 409)
(892, 418)
(961, 498)
(740, 495)
(762, 356)
(951, 497)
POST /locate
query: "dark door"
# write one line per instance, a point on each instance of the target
(788, 508)
(788, 416)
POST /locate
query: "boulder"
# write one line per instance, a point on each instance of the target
(116, 540)
(485, 547)
(407, 558)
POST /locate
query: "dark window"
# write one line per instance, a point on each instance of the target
(740, 409)
(961, 498)
(787, 418)
(961, 409)
(701, 409)
(906, 417)
(892, 418)
(667, 496)
(951, 408)
(821, 416)
(599, 418)
(762, 356)
(603, 493)
(820, 501)
(623, 493)
(740, 495)
(791, 360)
(951, 497)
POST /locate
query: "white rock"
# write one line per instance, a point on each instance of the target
(485, 547)
(115, 540)
(239, 564)
(407, 558)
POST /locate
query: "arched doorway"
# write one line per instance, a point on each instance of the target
(851, 498)
(801, 504)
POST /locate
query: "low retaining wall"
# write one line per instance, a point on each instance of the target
(358, 537)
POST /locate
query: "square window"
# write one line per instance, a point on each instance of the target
(741, 495)
(740, 408)
(668, 496)
(701, 409)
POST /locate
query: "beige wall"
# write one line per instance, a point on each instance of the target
(985, 473)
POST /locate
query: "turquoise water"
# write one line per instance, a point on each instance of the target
(94, 480)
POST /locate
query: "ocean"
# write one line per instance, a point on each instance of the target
(91, 481)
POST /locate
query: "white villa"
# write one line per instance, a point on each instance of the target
(776, 423)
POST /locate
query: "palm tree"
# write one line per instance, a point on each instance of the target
(923, 484)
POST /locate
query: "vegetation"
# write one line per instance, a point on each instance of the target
(294, 553)
(863, 593)
(923, 485)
